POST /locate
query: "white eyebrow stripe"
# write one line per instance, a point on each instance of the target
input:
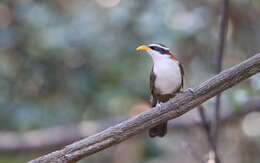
(159, 46)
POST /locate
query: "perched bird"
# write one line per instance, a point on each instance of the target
(166, 79)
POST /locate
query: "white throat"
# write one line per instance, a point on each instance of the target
(157, 57)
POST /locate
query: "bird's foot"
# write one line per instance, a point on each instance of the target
(191, 90)
(159, 104)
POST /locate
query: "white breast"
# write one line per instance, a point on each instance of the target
(168, 75)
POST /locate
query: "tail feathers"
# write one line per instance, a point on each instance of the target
(159, 130)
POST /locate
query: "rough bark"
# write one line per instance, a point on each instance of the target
(174, 108)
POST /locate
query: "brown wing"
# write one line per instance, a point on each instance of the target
(182, 74)
(152, 88)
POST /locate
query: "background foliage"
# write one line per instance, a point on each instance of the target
(64, 62)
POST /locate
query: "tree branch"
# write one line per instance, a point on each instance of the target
(174, 108)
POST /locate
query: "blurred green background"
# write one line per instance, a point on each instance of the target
(69, 63)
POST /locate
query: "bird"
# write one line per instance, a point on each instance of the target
(166, 79)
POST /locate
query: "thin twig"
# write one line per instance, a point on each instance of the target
(207, 127)
(212, 130)
(220, 54)
(172, 109)
(222, 35)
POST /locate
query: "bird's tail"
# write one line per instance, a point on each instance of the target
(159, 130)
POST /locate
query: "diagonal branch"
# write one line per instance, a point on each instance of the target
(174, 108)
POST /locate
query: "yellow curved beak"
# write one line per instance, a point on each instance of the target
(143, 47)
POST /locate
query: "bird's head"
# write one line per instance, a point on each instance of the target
(157, 51)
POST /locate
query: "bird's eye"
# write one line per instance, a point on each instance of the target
(152, 47)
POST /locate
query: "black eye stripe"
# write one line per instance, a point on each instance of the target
(156, 48)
